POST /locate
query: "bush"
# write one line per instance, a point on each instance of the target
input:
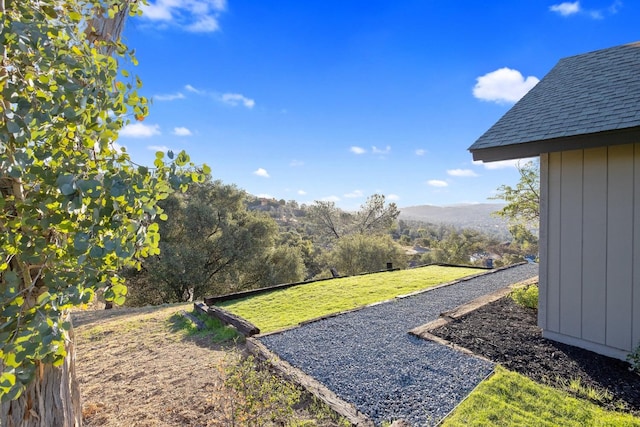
(251, 396)
(526, 296)
(634, 359)
(361, 253)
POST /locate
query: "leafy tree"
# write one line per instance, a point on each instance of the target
(456, 247)
(523, 200)
(374, 217)
(211, 245)
(74, 210)
(281, 264)
(523, 206)
(361, 253)
(329, 221)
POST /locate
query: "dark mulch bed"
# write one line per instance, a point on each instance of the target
(507, 333)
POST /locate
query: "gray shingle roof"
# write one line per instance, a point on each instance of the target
(582, 102)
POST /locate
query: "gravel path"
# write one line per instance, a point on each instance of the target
(367, 357)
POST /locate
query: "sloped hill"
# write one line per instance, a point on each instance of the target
(478, 216)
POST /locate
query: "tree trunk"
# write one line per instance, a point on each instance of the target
(52, 399)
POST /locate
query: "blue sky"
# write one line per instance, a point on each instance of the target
(338, 100)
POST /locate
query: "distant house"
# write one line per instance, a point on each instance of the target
(583, 120)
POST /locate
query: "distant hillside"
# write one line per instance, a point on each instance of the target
(476, 216)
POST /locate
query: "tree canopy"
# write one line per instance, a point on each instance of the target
(373, 217)
(74, 209)
(523, 206)
(212, 245)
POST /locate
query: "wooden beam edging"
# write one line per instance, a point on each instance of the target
(199, 324)
(243, 326)
(313, 386)
(424, 331)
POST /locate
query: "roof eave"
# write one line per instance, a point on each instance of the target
(576, 142)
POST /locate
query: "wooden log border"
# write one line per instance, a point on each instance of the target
(446, 317)
(199, 324)
(313, 386)
(243, 326)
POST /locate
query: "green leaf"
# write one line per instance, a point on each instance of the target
(13, 127)
(81, 242)
(43, 298)
(67, 189)
(96, 252)
(11, 278)
(7, 380)
(170, 154)
(182, 159)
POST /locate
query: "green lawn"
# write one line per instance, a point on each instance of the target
(288, 307)
(510, 399)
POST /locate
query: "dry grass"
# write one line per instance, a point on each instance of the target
(143, 367)
(137, 368)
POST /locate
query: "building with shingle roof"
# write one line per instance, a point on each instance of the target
(583, 120)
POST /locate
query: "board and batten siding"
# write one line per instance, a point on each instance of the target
(590, 248)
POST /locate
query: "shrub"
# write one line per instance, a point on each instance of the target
(526, 296)
(250, 395)
(634, 359)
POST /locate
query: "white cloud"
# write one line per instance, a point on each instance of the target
(330, 199)
(615, 7)
(265, 196)
(462, 172)
(182, 131)
(140, 130)
(437, 183)
(233, 99)
(354, 194)
(302, 192)
(193, 89)
(296, 163)
(503, 164)
(236, 99)
(190, 15)
(377, 150)
(206, 24)
(168, 97)
(162, 148)
(421, 152)
(503, 85)
(566, 8)
(261, 172)
(393, 197)
(357, 150)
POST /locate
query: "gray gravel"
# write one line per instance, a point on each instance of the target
(367, 357)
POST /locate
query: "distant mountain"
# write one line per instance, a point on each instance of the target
(477, 216)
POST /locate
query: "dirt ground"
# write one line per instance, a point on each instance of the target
(507, 333)
(136, 368)
(140, 367)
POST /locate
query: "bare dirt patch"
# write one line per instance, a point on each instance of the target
(136, 368)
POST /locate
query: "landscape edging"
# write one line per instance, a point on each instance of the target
(309, 383)
(423, 331)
